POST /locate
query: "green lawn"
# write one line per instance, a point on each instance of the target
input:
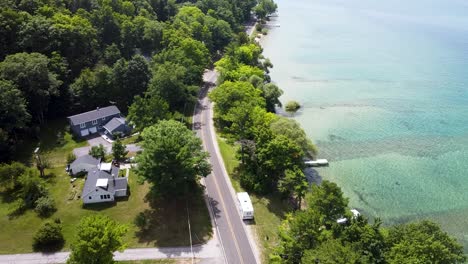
(168, 219)
(269, 210)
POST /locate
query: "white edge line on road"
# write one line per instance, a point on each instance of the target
(228, 180)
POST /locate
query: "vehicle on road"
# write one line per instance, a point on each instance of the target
(245, 206)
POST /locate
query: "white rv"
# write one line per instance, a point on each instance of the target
(245, 205)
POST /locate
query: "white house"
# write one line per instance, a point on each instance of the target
(103, 184)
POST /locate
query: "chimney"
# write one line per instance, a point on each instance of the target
(97, 108)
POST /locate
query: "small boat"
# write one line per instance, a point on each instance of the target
(316, 163)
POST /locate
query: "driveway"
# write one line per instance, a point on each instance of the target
(108, 146)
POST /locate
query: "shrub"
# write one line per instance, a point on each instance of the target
(292, 106)
(49, 237)
(70, 158)
(16, 208)
(97, 151)
(258, 27)
(45, 206)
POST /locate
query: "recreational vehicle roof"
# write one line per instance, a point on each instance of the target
(245, 201)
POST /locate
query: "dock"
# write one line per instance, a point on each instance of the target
(316, 163)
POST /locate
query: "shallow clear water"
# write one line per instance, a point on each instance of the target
(384, 89)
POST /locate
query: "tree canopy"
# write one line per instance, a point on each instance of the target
(172, 159)
(97, 238)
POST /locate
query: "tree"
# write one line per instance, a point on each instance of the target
(294, 183)
(77, 40)
(10, 174)
(45, 206)
(332, 251)
(97, 238)
(35, 35)
(233, 94)
(298, 233)
(172, 158)
(30, 73)
(328, 200)
(118, 150)
(292, 106)
(265, 8)
(49, 237)
(277, 155)
(422, 242)
(271, 93)
(93, 87)
(97, 151)
(148, 110)
(366, 239)
(293, 130)
(13, 109)
(10, 24)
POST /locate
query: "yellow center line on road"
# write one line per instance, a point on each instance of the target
(202, 119)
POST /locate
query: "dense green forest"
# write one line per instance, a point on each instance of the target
(60, 57)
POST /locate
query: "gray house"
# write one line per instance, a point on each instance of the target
(103, 184)
(83, 164)
(97, 120)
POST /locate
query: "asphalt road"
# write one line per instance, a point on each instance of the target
(233, 237)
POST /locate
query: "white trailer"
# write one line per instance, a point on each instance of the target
(245, 205)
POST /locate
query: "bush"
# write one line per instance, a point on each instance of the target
(70, 158)
(258, 27)
(292, 106)
(49, 237)
(97, 151)
(45, 206)
(16, 208)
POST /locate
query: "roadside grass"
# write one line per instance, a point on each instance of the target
(269, 210)
(169, 218)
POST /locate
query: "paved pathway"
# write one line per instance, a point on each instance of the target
(209, 252)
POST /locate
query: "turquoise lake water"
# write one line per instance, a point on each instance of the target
(384, 89)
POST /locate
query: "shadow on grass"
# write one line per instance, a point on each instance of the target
(165, 224)
(51, 248)
(99, 206)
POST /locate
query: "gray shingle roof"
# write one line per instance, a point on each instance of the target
(114, 123)
(84, 163)
(94, 114)
(93, 176)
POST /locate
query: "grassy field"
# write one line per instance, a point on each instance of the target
(167, 219)
(269, 210)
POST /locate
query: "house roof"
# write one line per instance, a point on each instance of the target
(86, 162)
(94, 176)
(94, 114)
(121, 183)
(106, 166)
(114, 123)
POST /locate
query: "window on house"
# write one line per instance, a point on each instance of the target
(94, 122)
(102, 197)
(82, 125)
(90, 197)
(108, 196)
